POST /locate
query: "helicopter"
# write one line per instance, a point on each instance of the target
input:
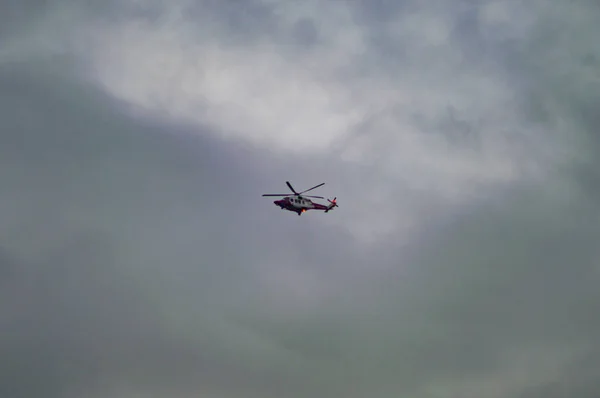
(299, 203)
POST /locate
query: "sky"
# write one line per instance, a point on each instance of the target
(138, 258)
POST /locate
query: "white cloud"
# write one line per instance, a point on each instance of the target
(259, 91)
(282, 96)
(402, 100)
(314, 98)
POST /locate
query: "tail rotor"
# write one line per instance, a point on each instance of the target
(332, 205)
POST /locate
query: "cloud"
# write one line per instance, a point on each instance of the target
(139, 258)
(122, 234)
(407, 93)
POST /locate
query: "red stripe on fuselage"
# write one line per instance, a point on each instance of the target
(285, 204)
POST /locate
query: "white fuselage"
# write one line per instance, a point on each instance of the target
(300, 203)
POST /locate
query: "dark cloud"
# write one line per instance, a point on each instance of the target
(117, 226)
(137, 255)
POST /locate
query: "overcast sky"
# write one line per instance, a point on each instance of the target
(138, 258)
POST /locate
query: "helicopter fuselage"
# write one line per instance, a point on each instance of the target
(299, 204)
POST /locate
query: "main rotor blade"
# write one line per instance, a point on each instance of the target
(308, 196)
(310, 189)
(277, 194)
(290, 186)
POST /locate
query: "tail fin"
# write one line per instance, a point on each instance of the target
(332, 205)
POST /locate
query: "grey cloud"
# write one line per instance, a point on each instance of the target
(137, 254)
(170, 241)
(16, 14)
(581, 380)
